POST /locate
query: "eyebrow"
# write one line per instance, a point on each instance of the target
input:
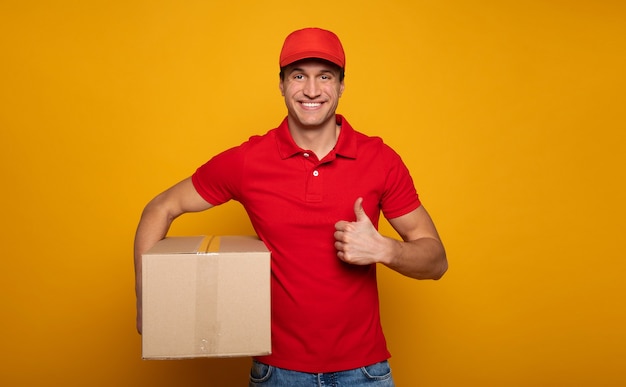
(298, 69)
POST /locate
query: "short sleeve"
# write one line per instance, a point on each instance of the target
(400, 196)
(219, 179)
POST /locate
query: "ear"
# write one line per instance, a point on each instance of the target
(281, 86)
(341, 88)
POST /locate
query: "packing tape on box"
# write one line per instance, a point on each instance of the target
(214, 245)
(207, 271)
(209, 244)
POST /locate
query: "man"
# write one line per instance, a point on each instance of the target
(314, 189)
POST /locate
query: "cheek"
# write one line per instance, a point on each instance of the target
(335, 93)
(288, 90)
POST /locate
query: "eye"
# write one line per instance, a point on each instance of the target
(298, 76)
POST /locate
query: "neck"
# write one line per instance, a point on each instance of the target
(320, 140)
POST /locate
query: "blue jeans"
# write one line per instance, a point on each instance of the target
(375, 375)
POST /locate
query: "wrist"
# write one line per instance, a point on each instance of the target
(392, 251)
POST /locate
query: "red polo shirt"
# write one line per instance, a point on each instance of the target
(325, 314)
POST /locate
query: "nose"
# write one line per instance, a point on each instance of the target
(311, 88)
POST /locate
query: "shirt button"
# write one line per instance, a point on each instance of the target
(316, 173)
(305, 154)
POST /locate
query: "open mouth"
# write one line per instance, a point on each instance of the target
(311, 105)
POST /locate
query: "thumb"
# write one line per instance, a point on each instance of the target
(359, 211)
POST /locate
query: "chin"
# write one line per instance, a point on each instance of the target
(313, 122)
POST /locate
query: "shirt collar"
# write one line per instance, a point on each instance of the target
(345, 147)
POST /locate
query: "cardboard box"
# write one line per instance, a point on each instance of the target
(206, 297)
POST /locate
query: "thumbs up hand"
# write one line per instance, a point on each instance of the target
(359, 243)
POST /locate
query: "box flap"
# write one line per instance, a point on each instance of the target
(239, 244)
(181, 245)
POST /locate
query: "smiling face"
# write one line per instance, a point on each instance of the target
(312, 89)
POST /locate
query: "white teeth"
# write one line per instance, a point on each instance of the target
(310, 104)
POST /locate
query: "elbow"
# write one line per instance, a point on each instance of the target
(159, 207)
(442, 269)
(433, 271)
(440, 264)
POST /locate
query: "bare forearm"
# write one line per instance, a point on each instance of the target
(156, 220)
(159, 214)
(420, 255)
(152, 227)
(424, 258)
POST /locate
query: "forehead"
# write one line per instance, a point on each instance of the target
(313, 64)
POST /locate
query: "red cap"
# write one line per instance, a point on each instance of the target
(312, 43)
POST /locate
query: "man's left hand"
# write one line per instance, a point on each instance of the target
(358, 242)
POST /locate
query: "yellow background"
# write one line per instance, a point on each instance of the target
(509, 115)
